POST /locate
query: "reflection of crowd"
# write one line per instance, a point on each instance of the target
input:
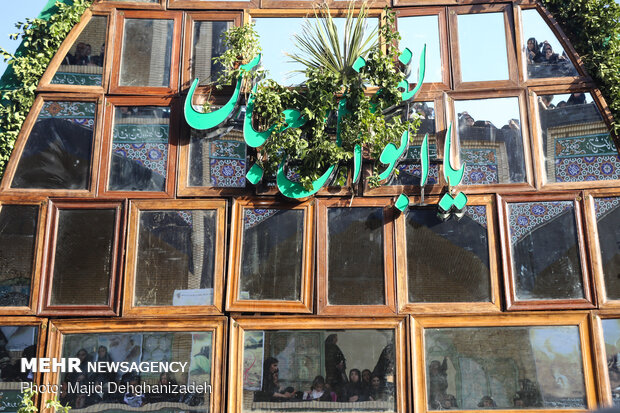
(542, 61)
(467, 121)
(11, 371)
(545, 101)
(337, 385)
(439, 399)
(78, 399)
(83, 56)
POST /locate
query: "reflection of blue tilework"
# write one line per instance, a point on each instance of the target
(227, 163)
(253, 217)
(227, 173)
(480, 166)
(145, 144)
(413, 170)
(603, 206)
(81, 113)
(586, 158)
(186, 216)
(526, 217)
(478, 213)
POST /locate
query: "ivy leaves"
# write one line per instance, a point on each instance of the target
(40, 42)
(593, 27)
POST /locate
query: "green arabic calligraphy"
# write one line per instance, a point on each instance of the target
(390, 155)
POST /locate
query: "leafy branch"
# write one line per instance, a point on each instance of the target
(40, 40)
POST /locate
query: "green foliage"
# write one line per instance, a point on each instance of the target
(28, 405)
(41, 40)
(593, 27)
(242, 46)
(329, 78)
(320, 46)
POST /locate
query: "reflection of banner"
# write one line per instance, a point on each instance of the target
(200, 364)
(123, 347)
(253, 355)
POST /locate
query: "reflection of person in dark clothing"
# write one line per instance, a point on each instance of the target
(438, 381)
(355, 391)
(377, 389)
(271, 386)
(335, 366)
(533, 50)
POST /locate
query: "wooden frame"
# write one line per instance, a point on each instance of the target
(512, 302)
(600, 356)
(444, 52)
(308, 4)
(440, 128)
(215, 325)
(506, 9)
(109, 4)
(41, 342)
(212, 4)
(594, 246)
(188, 38)
(172, 88)
(106, 151)
(449, 307)
(47, 270)
(184, 154)
(135, 208)
(45, 82)
(561, 38)
(242, 324)
(419, 371)
(304, 304)
(323, 306)
(528, 185)
(35, 279)
(5, 185)
(538, 144)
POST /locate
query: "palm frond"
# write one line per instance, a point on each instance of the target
(319, 43)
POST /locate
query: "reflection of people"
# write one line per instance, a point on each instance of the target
(354, 390)
(377, 390)
(576, 99)
(366, 375)
(487, 402)
(548, 56)
(533, 50)
(279, 394)
(100, 59)
(335, 366)
(130, 398)
(166, 392)
(529, 395)
(438, 377)
(271, 386)
(318, 391)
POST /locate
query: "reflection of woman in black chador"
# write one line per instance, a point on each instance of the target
(271, 387)
(438, 381)
(385, 368)
(335, 366)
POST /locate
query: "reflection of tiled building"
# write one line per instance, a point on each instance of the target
(126, 236)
